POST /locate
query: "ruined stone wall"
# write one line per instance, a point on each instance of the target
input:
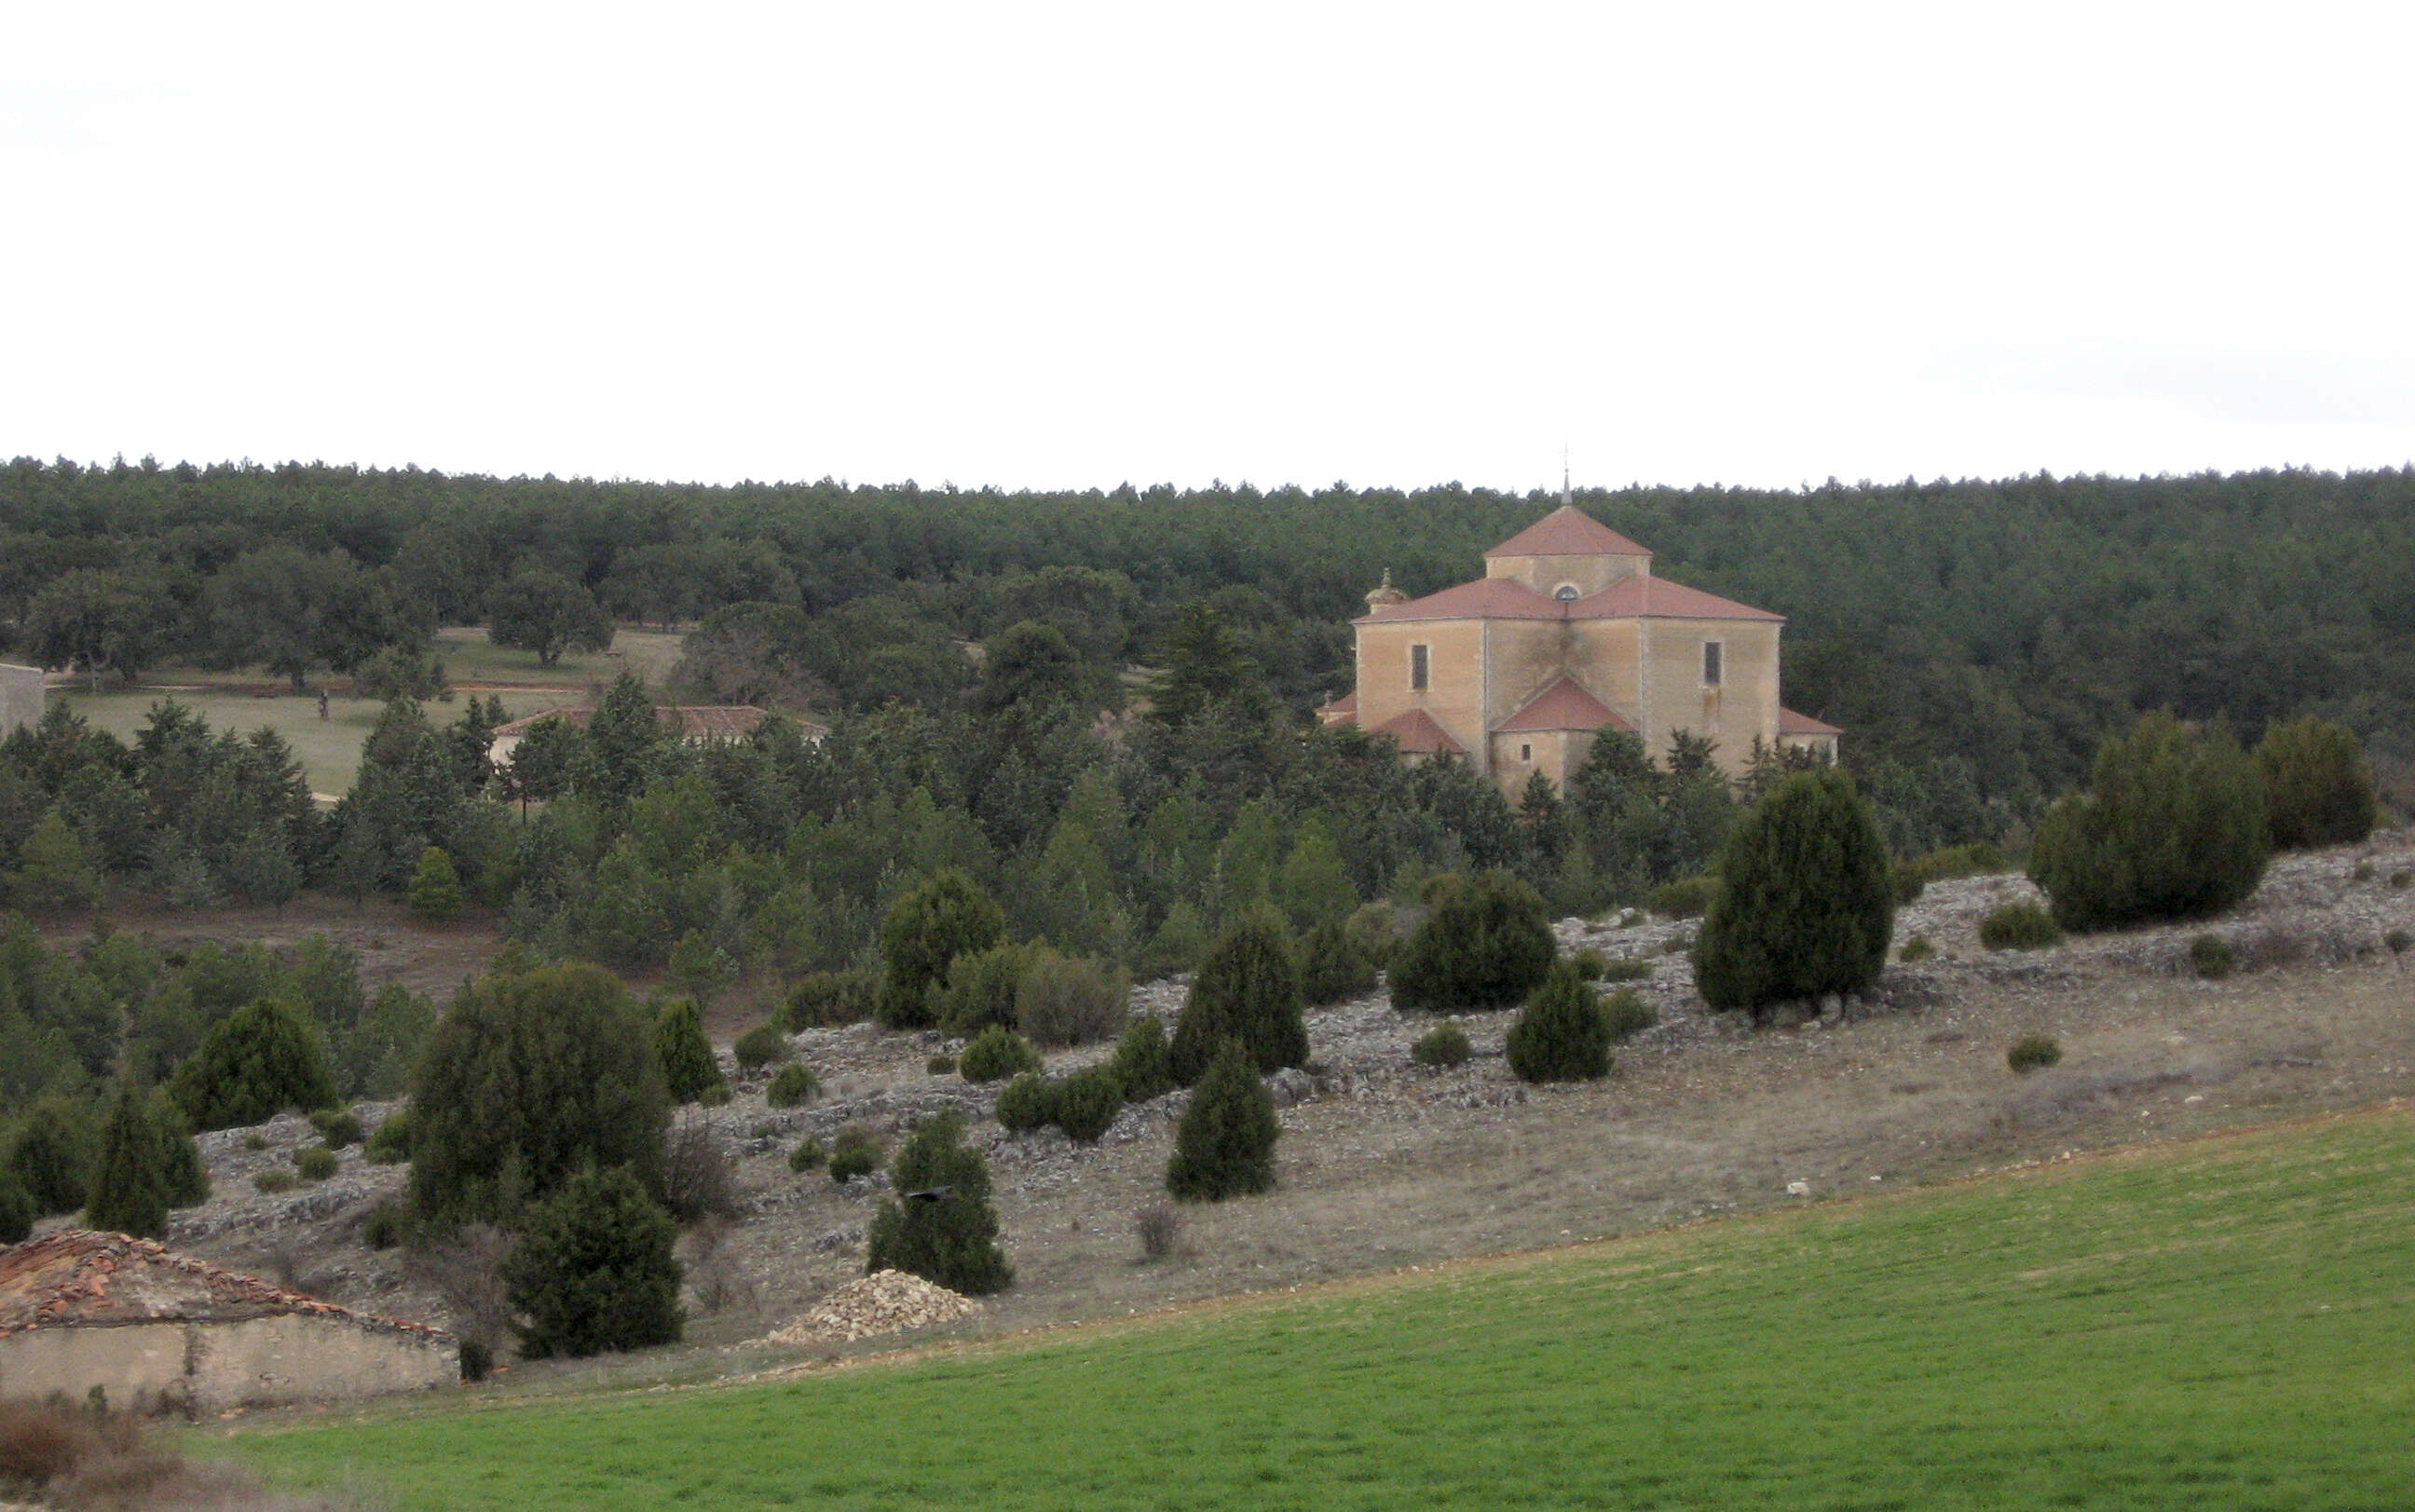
(207, 1366)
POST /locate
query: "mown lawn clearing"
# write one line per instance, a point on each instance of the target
(2221, 1323)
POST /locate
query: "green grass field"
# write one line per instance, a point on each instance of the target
(2219, 1325)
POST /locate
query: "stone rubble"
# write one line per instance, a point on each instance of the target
(884, 1302)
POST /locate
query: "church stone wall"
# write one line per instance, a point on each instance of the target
(1743, 706)
(1455, 681)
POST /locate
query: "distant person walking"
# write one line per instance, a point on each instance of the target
(322, 703)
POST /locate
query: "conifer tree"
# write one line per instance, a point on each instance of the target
(1315, 885)
(258, 1062)
(925, 929)
(2318, 790)
(1486, 944)
(16, 1209)
(1247, 989)
(1806, 903)
(689, 1068)
(1225, 1145)
(435, 888)
(944, 1230)
(135, 1177)
(700, 967)
(594, 1270)
(55, 869)
(1333, 964)
(1181, 941)
(1559, 1035)
(54, 1154)
(2172, 825)
(1142, 1059)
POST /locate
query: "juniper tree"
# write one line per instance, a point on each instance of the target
(2318, 790)
(435, 887)
(1486, 944)
(944, 1230)
(594, 1270)
(690, 1070)
(1805, 902)
(2172, 825)
(1559, 1035)
(258, 1062)
(925, 929)
(1225, 1145)
(1246, 989)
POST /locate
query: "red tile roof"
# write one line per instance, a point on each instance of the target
(1567, 531)
(1632, 597)
(1419, 735)
(1564, 705)
(1341, 711)
(1487, 598)
(1790, 722)
(79, 1278)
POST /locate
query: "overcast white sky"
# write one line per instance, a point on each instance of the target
(1074, 245)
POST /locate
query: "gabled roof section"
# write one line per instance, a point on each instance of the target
(1790, 722)
(1341, 711)
(1564, 705)
(1487, 598)
(80, 1278)
(1656, 598)
(1419, 735)
(1567, 531)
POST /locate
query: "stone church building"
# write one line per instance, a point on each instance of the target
(1568, 633)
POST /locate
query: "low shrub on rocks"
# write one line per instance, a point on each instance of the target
(1559, 1035)
(826, 1000)
(1142, 1059)
(2033, 1052)
(941, 1064)
(1624, 969)
(317, 1163)
(855, 1152)
(1625, 1014)
(1443, 1045)
(809, 1155)
(1087, 1103)
(391, 1144)
(760, 1046)
(794, 1085)
(339, 1127)
(996, 1053)
(1069, 1000)
(2019, 926)
(1684, 898)
(2212, 957)
(1915, 950)
(1028, 1102)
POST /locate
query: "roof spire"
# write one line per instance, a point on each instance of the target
(1385, 594)
(1564, 499)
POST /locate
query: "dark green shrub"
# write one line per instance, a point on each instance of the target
(435, 887)
(317, 1163)
(982, 986)
(594, 1271)
(1445, 1045)
(1225, 1143)
(941, 1064)
(1625, 1014)
(391, 1144)
(147, 1164)
(1688, 897)
(2172, 827)
(809, 1155)
(1624, 969)
(2212, 957)
(1027, 1104)
(1915, 950)
(1332, 966)
(996, 1053)
(2398, 940)
(477, 1361)
(255, 1063)
(273, 1181)
(2033, 1052)
(1485, 944)
(940, 1225)
(1142, 1059)
(760, 1046)
(16, 1209)
(1803, 905)
(2019, 926)
(1245, 989)
(826, 1000)
(1087, 1102)
(1558, 1035)
(1906, 883)
(1979, 858)
(2403, 879)
(924, 933)
(382, 1228)
(1070, 1000)
(690, 1071)
(855, 1152)
(529, 1077)
(1375, 929)
(794, 1085)
(2318, 790)
(52, 1154)
(339, 1127)
(1591, 964)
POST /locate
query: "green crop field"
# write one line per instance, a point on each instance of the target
(2220, 1324)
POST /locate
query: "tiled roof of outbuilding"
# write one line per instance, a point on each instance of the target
(1790, 722)
(1565, 705)
(1419, 735)
(82, 1277)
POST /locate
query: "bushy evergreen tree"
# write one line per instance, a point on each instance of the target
(701, 967)
(530, 1077)
(996, 1053)
(1485, 944)
(982, 987)
(1315, 885)
(1559, 1035)
(55, 868)
(2318, 790)
(1247, 989)
(1181, 941)
(1142, 1059)
(1806, 904)
(16, 1209)
(147, 1164)
(52, 1154)
(2172, 825)
(256, 1062)
(690, 1070)
(925, 929)
(594, 1270)
(435, 887)
(1225, 1145)
(944, 1229)
(1333, 964)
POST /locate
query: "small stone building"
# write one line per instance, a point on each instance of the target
(20, 697)
(159, 1331)
(1566, 635)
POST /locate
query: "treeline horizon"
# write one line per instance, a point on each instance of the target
(2006, 626)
